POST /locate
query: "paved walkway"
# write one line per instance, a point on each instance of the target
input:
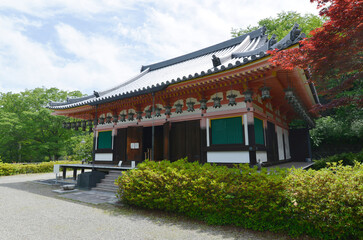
(30, 210)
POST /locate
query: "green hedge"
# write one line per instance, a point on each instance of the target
(215, 194)
(327, 203)
(275, 201)
(7, 169)
(346, 158)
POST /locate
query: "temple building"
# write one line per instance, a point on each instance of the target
(222, 104)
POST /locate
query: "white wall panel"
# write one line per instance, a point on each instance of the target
(262, 156)
(280, 143)
(228, 157)
(287, 145)
(103, 157)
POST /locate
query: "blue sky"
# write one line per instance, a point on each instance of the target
(91, 45)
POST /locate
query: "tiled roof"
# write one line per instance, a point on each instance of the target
(229, 54)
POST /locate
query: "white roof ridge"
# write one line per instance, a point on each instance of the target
(126, 83)
(239, 48)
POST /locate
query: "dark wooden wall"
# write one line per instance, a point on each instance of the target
(185, 140)
(134, 135)
(271, 143)
(119, 145)
(300, 148)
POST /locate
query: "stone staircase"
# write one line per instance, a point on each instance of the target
(108, 183)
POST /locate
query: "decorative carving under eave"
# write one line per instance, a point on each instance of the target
(203, 104)
(108, 119)
(122, 117)
(178, 108)
(248, 95)
(265, 93)
(217, 102)
(232, 99)
(289, 95)
(157, 112)
(167, 110)
(115, 118)
(139, 115)
(102, 120)
(190, 106)
(131, 116)
(148, 114)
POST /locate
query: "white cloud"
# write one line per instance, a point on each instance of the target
(99, 61)
(48, 8)
(134, 33)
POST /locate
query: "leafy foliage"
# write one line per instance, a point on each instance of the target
(333, 54)
(215, 194)
(7, 169)
(283, 23)
(28, 131)
(344, 158)
(327, 204)
(324, 204)
(83, 147)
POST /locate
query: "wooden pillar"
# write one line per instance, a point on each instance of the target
(166, 147)
(203, 140)
(74, 173)
(251, 134)
(64, 172)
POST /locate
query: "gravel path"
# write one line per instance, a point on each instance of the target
(29, 210)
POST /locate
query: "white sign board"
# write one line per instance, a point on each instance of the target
(134, 145)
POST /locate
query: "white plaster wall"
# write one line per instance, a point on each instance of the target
(228, 157)
(262, 156)
(280, 142)
(287, 145)
(103, 157)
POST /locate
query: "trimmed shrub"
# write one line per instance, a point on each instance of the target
(346, 158)
(327, 203)
(216, 194)
(7, 169)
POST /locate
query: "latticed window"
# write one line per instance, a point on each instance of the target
(259, 136)
(104, 140)
(227, 131)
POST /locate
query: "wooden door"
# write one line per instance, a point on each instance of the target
(193, 142)
(134, 136)
(177, 141)
(185, 140)
(119, 145)
(158, 143)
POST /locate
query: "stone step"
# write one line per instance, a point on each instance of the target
(112, 176)
(108, 183)
(105, 189)
(105, 180)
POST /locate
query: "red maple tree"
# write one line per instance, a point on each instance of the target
(333, 53)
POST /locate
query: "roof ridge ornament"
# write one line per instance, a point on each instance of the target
(216, 61)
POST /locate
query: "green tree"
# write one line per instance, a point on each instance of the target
(28, 131)
(83, 147)
(283, 23)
